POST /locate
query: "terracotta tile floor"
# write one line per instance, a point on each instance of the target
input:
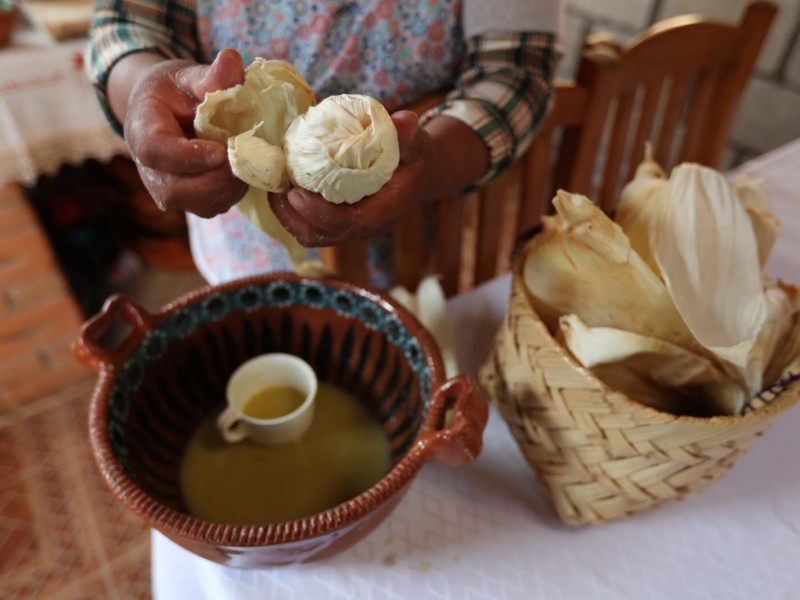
(62, 534)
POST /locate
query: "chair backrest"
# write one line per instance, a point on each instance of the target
(678, 84)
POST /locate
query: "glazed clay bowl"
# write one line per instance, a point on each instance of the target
(170, 370)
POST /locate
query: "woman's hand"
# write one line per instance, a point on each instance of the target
(434, 162)
(181, 172)
(316, 222)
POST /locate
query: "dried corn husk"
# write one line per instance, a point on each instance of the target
(652, 371)
(639, 203)
(256, 208)
(699, 329)
(759, 208)
(582, 263)
(785, 354)
(252, 118)
(704, 244)
(429, 305)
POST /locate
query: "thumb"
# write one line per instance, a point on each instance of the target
(226, 71)
(407, 124)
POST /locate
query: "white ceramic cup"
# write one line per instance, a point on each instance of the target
(255, 375)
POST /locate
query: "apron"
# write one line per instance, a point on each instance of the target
(395, 51)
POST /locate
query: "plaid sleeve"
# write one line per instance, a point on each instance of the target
(503, 92)
(121, 27)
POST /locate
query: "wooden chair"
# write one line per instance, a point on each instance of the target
(677, 84)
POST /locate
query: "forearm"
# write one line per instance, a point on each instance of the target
(124, 75)
(502, 93)
(125, 28)
(460, 156)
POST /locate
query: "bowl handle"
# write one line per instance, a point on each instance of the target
(87, 348)
(459, 413)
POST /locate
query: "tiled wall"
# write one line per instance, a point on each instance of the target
(770, 111)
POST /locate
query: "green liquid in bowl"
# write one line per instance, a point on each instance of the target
(344, 452)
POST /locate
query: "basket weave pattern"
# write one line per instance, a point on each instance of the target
(598, 454)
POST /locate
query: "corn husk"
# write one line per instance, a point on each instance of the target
(272, 95)
(672, 306)
(429, 305)
(652, 371)
(582, 263)
(252, 119)
(639, 203)
(785, 355)
(256, 208)
(704, 244)
(257, 162)
(759, 208)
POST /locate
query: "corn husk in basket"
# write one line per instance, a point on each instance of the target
(598, 454)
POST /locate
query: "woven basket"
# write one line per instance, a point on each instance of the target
(598, 454)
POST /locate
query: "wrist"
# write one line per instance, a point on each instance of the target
(124, 76)
(459, 157)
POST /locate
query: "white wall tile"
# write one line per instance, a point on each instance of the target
(573, 30)
(770, 112)
(769, 116)
(632, 13)
(793, 66)
(730, 11)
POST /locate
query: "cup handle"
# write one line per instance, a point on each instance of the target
(86, 347)
(231, 426)
(458, 414)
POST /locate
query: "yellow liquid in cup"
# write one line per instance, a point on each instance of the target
(343, 453)
(273, 402)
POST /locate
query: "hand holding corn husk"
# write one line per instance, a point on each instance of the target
(669, 304)
(344, 148)
(252, 118)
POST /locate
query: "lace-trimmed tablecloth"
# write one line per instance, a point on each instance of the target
(48, 112)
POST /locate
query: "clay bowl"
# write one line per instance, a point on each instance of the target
(170, 370)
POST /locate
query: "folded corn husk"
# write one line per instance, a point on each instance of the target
(785, 355)
(582, 263)
(639, 203)
(429, 305)
(652, 371)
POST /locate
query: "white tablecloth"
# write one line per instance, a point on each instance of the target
(49, 115)
(487, 531)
